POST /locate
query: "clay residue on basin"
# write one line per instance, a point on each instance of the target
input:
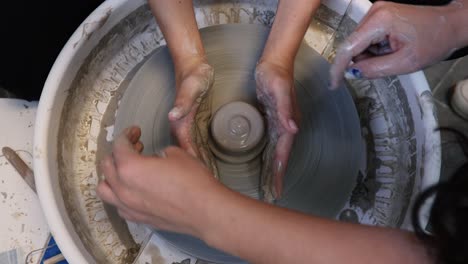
(81, 139)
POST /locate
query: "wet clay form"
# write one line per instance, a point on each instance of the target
(237, 141)
(324, 162)
(237, 128)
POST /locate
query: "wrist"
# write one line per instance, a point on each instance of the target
(186, 66)
(266, 63)
(184, 62)
(283, 62)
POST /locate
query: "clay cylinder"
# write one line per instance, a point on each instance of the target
(237, 132)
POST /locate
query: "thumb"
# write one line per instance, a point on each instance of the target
(366, 35)
(285, 112)
(190, 92)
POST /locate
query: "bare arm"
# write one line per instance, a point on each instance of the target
(275, 83)
(177, 22)
(261, 233)
(194, 77)
(291, 22)
(187, 199)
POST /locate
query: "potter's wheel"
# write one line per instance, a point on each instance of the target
(324, 162)
(77, 112)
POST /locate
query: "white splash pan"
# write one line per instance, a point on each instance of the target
(420, 109)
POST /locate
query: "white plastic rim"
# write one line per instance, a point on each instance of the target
(62, 74)
(47, 124)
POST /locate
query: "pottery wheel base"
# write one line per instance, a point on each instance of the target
(324, 161)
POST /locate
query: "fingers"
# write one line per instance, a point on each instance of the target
(399, 62)
(186, 100)
(381, 48)
(283, 149)
(132, 215)
(135, 134)
(123, 147)
(275, 91)
(367, 34)
(108, 195)
(138, 147)
(182, 131)
(277, 95)
(117, 182)
(172, 151)
(191, 91)
(113, 189)
(104, 191)
(110, 172)
(286, 112)
(126, 215)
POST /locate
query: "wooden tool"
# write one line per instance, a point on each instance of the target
(21, 167)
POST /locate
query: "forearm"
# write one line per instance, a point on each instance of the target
(177, 22)
(291, 22)
(262, 233)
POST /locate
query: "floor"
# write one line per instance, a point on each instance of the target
(442, 77)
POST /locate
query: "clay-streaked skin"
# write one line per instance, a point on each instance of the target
(397, 39)
(173, 197)
(274, 73)
(194, 76)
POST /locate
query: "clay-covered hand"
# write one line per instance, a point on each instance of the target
(155, 190)
(394, 39)
(276, 92)
(193, 80)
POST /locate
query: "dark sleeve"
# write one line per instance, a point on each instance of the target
(33, 34)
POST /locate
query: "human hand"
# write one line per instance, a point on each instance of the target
(156, 190)
(193, 80)
(275, 91)
(394, 39)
